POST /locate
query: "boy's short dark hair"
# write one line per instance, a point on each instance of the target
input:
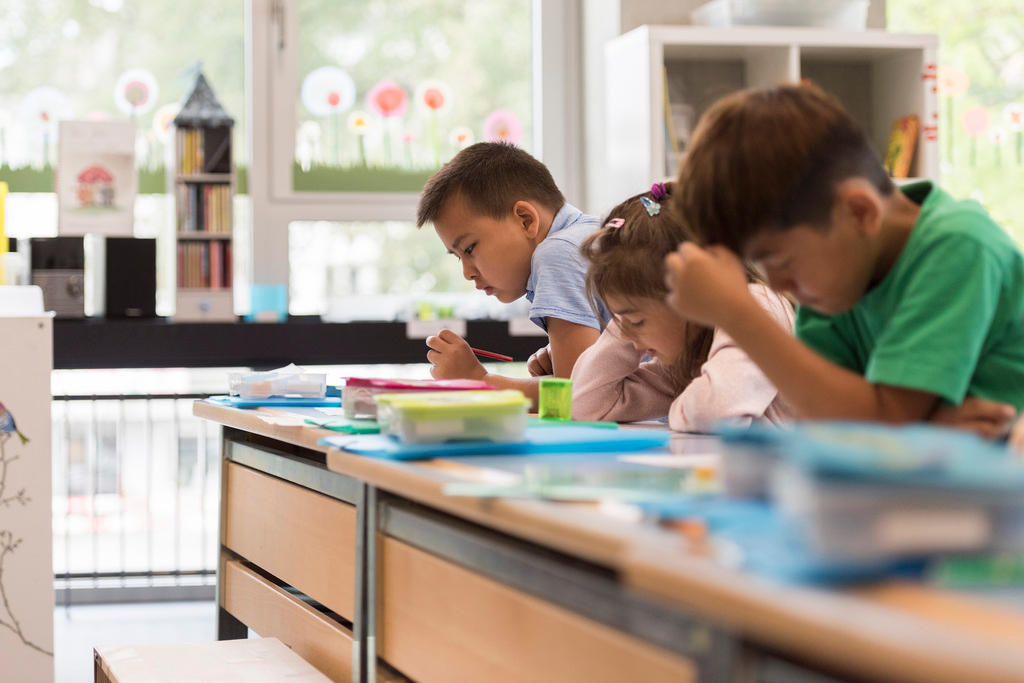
(491, 176)
(770, 160)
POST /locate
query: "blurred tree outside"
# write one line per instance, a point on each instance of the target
(981, 87)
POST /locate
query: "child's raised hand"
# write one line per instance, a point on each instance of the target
(704, 284)
(452, 358)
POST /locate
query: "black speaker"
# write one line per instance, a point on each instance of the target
(58, 268)
(130, 277)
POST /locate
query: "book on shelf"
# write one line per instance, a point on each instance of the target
(204, 150)
(902, 143)
(678, 124)
(205, 207)
(204, 264)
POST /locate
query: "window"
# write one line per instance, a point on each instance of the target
(981, 98)
(368, 270)
(390, 89)
(110, 59)
(467, 71)
(377, 94)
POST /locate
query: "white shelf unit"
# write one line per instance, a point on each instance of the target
(878, 76)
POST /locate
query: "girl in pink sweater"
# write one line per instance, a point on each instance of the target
(648, 361)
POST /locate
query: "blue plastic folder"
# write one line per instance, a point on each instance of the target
(538, 440)
(277, 401)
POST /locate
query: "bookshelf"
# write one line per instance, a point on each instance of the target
(670, 75)
(204, 190)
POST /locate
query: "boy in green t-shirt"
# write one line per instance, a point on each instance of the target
(910, 302)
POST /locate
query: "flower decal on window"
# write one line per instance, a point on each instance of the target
(434, 95)
(39, 111)
(328, 90)
(388, 99)
(503, 126)
(135, 92)
(358, 122)
(461, 137)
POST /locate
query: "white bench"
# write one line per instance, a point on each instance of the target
(252, 660)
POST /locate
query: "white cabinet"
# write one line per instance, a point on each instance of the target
(878, 76)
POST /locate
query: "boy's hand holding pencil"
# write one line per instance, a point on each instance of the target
(453, 358)
(705, 285)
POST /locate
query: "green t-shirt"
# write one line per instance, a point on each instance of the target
(947, 319)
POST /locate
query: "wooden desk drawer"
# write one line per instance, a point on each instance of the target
(304, 538)
(273, 613)
(440, 622)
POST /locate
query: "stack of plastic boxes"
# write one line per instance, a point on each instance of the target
(866, 492)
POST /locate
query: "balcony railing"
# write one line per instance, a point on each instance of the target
(135, 491)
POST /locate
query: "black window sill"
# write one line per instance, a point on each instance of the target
(95, 343)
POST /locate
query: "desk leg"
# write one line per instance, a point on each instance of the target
(359, 618)
(229, 628)
(371, 584)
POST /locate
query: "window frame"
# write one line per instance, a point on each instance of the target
(272, 89)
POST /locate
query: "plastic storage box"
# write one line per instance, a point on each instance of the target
(850, 520)
(850, 15)
(358, 393)
(864, 491)
(290, 381)
(439, 417)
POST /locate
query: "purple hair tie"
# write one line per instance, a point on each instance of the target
(659, 191)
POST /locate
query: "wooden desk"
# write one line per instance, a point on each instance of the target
(408, 581)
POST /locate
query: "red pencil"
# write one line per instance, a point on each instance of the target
(491, 354)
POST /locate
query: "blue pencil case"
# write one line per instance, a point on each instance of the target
(538, 440)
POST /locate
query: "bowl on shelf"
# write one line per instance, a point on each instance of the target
(849, 15)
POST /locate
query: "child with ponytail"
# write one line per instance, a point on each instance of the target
(649, 362)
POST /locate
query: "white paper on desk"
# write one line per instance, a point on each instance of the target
(683, 462)
(282, 420)
(333, 412)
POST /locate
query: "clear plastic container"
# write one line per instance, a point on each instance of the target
(849, 15)
(746, 471)
(288, 381)
(357, 396)
(438, 417)
(847, 520)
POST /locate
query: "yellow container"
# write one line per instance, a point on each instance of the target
(438, 417)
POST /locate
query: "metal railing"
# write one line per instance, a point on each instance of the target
(136, 482)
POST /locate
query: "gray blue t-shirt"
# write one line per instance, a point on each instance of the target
(556, 287)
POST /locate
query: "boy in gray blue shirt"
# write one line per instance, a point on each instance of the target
(498, 210)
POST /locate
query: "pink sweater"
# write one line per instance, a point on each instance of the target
(611, 383)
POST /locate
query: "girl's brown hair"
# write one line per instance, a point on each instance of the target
(629, 261)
